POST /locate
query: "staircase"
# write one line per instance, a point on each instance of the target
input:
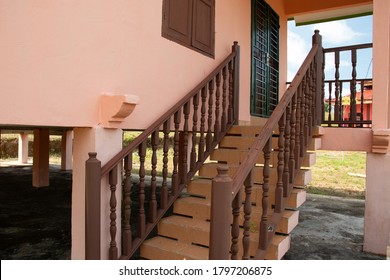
(185, 234)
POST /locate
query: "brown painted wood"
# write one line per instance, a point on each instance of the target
(127, 233)
(113, 181)
(280, 166)
(247, 216)
(153, 197)
(141, 215)
(235, 232)
(209, 137)
(164, 186)
(217, 104)
(195, 103)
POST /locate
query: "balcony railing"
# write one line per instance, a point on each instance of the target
(347, 102)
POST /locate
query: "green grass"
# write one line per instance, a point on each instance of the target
(339, 174)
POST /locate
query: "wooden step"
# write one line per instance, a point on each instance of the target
(202, 188)
(200, 209)
(236, 156)
(297, 198)
(185, 229)
(161, 248)
(209, 170)
(279, 247)
(243, 130)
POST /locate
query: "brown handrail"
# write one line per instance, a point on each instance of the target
(198, 122)
(295, 116)
(267, 131)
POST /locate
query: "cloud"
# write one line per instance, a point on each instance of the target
(337, 32)
(297, 51)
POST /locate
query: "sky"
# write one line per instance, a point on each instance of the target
(334, 34)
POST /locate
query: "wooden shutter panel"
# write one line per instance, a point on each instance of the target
(177, 18)
(203, 25)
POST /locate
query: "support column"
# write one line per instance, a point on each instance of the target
(106, 143)
(23, 147)
(377, 207)
(66, 150)
(41, 158)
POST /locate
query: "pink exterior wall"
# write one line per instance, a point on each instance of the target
(58, 57)
(347, 139)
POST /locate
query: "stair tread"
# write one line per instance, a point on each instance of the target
(160, 247)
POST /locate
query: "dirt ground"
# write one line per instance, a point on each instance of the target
(35, 222)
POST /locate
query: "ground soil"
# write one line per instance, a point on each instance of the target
(35, 222)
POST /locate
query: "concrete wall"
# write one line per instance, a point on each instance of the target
(58, 57)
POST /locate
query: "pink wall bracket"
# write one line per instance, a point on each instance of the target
(115, 108)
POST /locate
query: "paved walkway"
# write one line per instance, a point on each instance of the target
(330, 228)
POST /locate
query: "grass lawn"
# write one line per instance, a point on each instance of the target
(339, 174)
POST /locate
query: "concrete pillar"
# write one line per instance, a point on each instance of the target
(377, 207)
(106, 143)
(41, 158)
(23, 147)
(66, 150)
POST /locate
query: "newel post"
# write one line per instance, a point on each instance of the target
(92, 207)
(319, 69)
(236, 81)
(221, 201)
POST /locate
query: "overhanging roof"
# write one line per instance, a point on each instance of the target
(335, 14)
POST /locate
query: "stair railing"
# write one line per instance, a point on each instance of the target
(353, 110)
(293, 120)
(196, 123)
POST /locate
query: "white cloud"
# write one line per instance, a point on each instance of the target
(296, 53)
(336, 32)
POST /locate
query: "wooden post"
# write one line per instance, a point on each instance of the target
(41, 158)
(221, 200)
(319, 95)
(236, 98)
(92, 207)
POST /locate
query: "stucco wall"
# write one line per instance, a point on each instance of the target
(57, 57)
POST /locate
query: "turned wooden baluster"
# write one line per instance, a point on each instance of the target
(113, 181)
(330, 103)
(194, 130)
(217, 97)
(231, 94)
(302, 124)
(280, 168)
(202, 124)
(247, 216)
(209, 137)
(338, 98)
(293, 122)
(306, 115)
(286, 171)
(164, 185)
(127, 234)
(299, 111)
(236, 205)
(153, 198)
(311, 105)
(175, 174)
(353, 88)
(362, 102)
(224, 96)
(141, 214)
(264, 217)
(184, 152)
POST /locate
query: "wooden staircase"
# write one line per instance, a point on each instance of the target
(185, 234)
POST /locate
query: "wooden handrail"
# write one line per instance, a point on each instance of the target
(198, 122)
(160, 121)
(266, 132)
(295, 116)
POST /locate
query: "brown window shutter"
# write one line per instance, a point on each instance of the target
(177, 19)
(203, 25)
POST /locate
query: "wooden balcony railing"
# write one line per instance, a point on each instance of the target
(196, 123)
(353, 109)
(297, 113)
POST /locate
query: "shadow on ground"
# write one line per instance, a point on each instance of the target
(35, 222)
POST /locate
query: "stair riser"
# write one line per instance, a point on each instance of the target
(302, 178)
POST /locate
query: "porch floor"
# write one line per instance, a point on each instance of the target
(35, 223)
